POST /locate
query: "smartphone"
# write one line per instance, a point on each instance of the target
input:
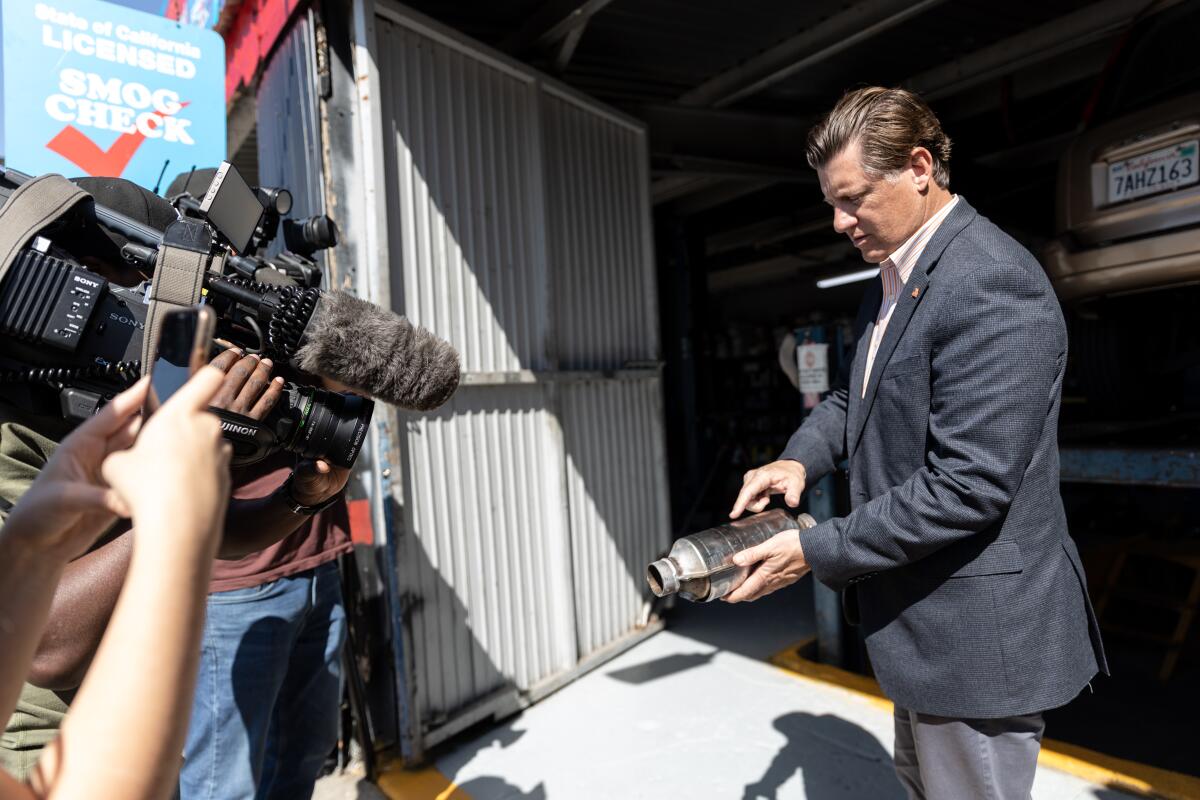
(183, 343)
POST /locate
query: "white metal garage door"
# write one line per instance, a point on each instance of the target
(518, 227)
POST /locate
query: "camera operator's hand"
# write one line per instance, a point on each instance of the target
(175, 479)
(248, 388)
(70, 504)
(314, 482)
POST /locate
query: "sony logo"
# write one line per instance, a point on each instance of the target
(115, 317)
(86, 282)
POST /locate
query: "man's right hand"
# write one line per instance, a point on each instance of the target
(248, 388)
(784, 477)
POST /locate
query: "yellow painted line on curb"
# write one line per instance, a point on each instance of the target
(427, 783)
(1113, 772)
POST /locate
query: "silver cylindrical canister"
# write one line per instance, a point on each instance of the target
(700, 566)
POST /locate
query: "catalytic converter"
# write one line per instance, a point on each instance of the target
(700, 566)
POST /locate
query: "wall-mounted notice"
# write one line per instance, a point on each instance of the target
(92, 88)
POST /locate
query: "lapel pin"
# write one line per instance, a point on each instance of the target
(916, 291)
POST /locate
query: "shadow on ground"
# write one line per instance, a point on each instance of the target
(835, 759)
(661, 667)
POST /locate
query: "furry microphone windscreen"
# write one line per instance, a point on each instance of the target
(379, 353)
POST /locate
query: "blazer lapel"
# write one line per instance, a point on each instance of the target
(914, 291)
(869, 311)
(854, 403)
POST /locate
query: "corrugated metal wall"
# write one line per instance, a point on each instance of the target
(598, 224)
(518, 228)
(488, 558)
(468, 200)
(616, 469)
(605, 317)
(289, 129)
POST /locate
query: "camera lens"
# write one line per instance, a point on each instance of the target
(275, 199)
(328, 425)
(306, 236)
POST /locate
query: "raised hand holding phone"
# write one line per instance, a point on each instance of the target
(184, 339)
(175, 478)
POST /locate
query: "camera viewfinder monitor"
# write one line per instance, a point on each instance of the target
(232, 207)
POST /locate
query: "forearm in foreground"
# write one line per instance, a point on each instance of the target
(149, 652)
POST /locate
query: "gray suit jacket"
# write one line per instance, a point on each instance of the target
(971, 593)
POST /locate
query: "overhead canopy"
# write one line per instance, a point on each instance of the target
(729, 91)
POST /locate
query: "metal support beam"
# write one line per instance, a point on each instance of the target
(764, 232)
(672, 165)
(553, 22)
(1068, 32)
(840, 32)
(1034, 81)
(769, 140)
(772, 141)
(681, 132)
(567, 49)
(713, 196)
(672, 187)
(809, 263)
(779, 269)
(1038, 153)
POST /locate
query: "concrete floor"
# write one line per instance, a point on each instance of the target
(692, 712)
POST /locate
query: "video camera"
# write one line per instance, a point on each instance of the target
(70, 339)
(302, 237)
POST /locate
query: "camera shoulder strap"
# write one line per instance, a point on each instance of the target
(32, 207)
(183, 259)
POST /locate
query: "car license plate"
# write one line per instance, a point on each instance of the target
(1157, 171)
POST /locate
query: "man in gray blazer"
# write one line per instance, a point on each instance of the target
(956, 554)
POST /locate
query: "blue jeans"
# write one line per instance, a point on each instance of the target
(268, 690)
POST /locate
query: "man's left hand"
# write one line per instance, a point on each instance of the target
(776, 563)
(314, 482)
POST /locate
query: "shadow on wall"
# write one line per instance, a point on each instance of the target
(835, 758)
(453, 668)
(478, 257)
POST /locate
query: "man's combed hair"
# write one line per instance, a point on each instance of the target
(887, 124)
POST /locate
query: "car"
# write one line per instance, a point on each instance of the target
(1128, 195)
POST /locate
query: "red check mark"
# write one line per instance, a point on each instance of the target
(81, 151)
(77, 148)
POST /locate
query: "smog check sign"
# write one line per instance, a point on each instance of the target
(92, 88)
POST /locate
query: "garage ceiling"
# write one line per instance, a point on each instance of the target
(729, 90)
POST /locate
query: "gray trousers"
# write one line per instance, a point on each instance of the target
(941, 758)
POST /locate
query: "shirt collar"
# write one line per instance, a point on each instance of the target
(905, 257)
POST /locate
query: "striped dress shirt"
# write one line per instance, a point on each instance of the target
(894, 272)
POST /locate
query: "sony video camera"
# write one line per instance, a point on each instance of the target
(70, 339)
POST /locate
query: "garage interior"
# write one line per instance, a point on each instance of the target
(729, 90)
